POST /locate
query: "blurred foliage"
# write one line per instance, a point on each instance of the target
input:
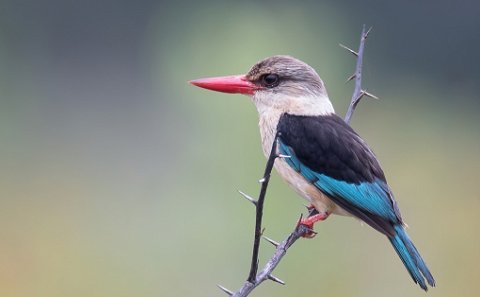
(119, 179)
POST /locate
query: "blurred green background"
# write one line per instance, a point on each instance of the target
(118, 178)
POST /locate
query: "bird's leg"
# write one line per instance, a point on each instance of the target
(313, 217)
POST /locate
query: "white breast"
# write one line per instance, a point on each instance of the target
(268, 126)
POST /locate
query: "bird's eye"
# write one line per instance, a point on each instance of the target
(270, 80)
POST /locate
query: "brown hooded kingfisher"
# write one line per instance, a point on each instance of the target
(329, 164)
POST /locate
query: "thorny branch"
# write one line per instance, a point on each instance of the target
(358, 92)
(259, 207)
(255, 278)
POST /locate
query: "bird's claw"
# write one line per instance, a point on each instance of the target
(310, 221)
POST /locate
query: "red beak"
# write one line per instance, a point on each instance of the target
(236, 84)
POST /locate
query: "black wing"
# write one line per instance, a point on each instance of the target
(328, 153)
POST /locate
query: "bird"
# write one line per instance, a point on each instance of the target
(326, 161)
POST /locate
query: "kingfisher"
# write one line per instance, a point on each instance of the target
(326, 161)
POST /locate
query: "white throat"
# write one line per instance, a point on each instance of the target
(307, 104)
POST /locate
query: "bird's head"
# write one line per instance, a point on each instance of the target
(279, 84)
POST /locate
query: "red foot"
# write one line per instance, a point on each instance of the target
(310, 221)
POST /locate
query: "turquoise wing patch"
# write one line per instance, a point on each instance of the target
(372, 197)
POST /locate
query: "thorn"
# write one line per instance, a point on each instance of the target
(248, 197)
(370, 95)
(283, 156)
(262, 180)
(360, 96)
(271, 241)
(230, 293)
(349, 49)
(300, 218)
(276, 279)
(368, 32)
(351, 77)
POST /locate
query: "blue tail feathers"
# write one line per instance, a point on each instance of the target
(411, 258)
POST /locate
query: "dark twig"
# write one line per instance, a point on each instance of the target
(259, 210)
(255, 278)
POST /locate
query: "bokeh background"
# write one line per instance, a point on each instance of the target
(118, 178)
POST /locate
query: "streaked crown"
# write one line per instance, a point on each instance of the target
(288, 85)
(285, 74)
